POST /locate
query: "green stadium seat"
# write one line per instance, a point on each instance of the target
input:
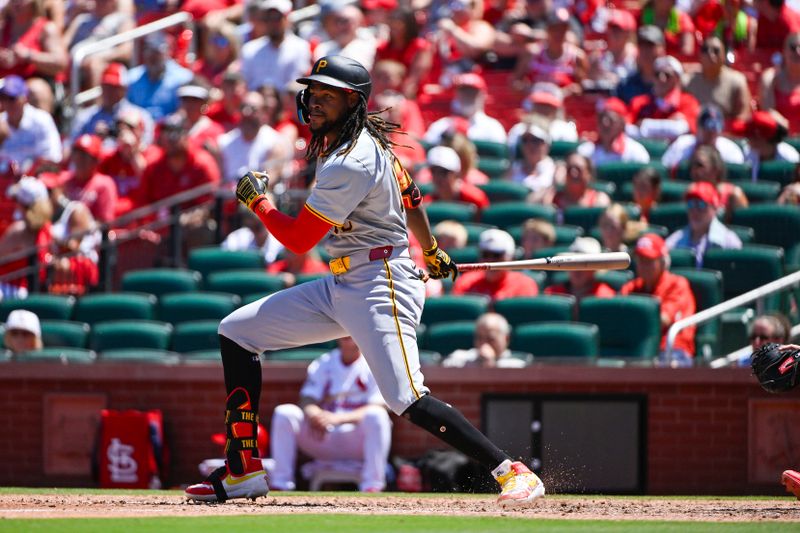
(707, 289)
(776, 225)
(780, 171)
(467, 254)
(458, 211)
(745, 233)
(656, 148)
(196, 335)
(202, 357)
(680, 257)
(671, 191)
(619, 172)
(561, 149)
(140, 355)
(185, 306)
(546, 307)
(557, 339)
(793, 142)
(494, 167)
(65, 333)
(96, 308)
(446, 337)
(504, 191)
(160, 281)
(550, 251)
(449, 308)
(584, 217)
(244, 282)
(214, 259)
(759, 192)
(735, 171)
(615, 278)
(630, 326)
(425, 188)
(46, 306)
(748, 268)
(608, 187)
(304, 355)
(673, 215)
(491, 149)
(508, 214)
(125, 334)
(62, 354)
(474, 230)
(5, 356)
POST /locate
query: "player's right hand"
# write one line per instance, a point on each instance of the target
(251, 187)
(439, 263)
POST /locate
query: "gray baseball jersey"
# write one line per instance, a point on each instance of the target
(378, 301)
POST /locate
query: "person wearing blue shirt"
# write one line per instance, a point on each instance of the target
(154, 84)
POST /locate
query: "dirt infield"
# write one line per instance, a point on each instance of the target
(571, 507)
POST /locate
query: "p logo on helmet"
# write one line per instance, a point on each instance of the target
(321, 64)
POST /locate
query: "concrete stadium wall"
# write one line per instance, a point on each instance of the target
(699, 433)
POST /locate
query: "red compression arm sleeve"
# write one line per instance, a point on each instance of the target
(297, 234)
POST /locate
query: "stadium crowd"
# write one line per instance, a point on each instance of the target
(504, 102)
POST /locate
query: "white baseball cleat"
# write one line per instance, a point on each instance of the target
(221, 486)
(518, 485)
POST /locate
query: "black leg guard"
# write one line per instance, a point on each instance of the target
(447, 423)
(242, 369)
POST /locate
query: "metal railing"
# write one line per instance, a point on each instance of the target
(84, 50)
(735, 356)
(715, 311)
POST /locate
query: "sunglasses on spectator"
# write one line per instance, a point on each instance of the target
(664, 74)
(531, 139)
(711, 49)
(694, 203)
(763, 336)
(439, 171)
(271, 16)
(794, 47)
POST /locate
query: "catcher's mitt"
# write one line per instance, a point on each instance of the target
(776, 370)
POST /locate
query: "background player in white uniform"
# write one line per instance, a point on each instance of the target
(376, 293)
(341, 416)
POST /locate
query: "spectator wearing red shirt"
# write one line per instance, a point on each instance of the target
(496, 245)
(225, 111)
(406, 46)
(779, 88)
(669, 112)
(673, 292)
(293, 264)
(389, 76)
(577, 190)
(126, 163)
(86, 183)
(582, 283)
(203, 131)
(445, 167)
(177, 168)
(776, 21)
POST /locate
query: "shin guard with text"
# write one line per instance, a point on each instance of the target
(241, 425)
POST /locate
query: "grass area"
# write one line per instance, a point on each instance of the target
(316, 523)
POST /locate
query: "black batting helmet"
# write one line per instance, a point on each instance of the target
(342, 72)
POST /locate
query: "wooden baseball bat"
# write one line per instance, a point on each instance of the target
(602, 261)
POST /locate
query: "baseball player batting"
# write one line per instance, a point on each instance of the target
(360, 208)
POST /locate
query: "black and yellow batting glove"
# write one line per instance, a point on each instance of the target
(252, 187)
(439, 263)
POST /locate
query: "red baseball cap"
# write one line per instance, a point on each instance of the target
(470, 79)
(615, 105)
(546, 93)
(651, 246)
(621, 19)
(91, 144)
(52, 180)
(705, 191)
(762, 124)
(115, 74)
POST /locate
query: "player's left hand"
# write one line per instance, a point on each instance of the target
(439, 263)
(251, 186)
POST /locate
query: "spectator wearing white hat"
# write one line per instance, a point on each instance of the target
(203, 131)
(533, 167)
(288, 56)
(31, 227)
(496, 245)
(582, 283)
(670, 111)
(349, 36)
(445, 167)
(545, 102)
(467, 113)
(101, 118)
(490, 348)
(22, 331)
(32, 133)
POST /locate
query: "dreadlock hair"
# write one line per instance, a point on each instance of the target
(358, 119)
